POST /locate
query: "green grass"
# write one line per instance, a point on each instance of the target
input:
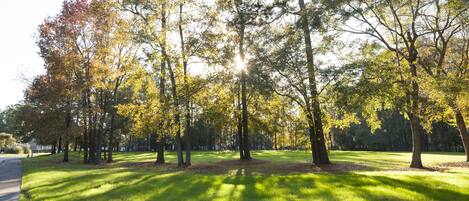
(385, 178)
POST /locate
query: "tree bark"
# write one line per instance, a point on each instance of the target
(75, 144)
(416, 142)
(59, 147)
(187, 114)
(414, 119)
(177, 118)
(239, 123)
(162, 137)
(53, 149)
(113, 116)
(462, 130)
(247, 153)
(85, 143)
(68, 119)
(320, 147)
(66, 144)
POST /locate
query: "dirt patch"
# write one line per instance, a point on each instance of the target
(335, 167)
(148, 164)
(206, 168)
(255, 166)
(424, 169)
(251, 162)
(267, 167)
(461, 164)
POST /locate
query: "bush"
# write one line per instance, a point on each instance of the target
(14, 150)
(6, 140)
(26, 149)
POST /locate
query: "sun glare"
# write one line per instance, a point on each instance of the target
(239, 63)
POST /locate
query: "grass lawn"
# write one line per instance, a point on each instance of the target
(274, 175)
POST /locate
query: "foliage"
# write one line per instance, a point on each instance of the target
(6, 140)
(17, 149)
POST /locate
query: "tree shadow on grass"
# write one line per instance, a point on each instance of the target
(244, 185)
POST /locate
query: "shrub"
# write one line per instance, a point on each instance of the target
(6, 140)
(26, 149)
(14, 150)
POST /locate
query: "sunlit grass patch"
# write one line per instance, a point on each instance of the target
(46, 178)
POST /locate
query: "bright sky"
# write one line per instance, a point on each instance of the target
(19, 59)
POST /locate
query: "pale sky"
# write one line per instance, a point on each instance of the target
(19, 59)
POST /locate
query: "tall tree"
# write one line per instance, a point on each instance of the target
(394, 24)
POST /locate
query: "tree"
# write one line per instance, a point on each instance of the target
(387, 23)
(445, 60)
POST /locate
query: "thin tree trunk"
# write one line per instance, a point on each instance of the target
(240, 124)
(320, 147)
(59, 147)
(177, 119)
(244, 106)
(75, 145)
(247, 154)
(113, 116)
(462, 130)
(161, 137)
(111, 139)
(187, 137)
(68, 119)
(85, 144)
(187, 114)
(66, 151)
(53, 149)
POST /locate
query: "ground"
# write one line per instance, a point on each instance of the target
(10, 177)
(273, 175)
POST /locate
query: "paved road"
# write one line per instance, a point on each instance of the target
(11, 171)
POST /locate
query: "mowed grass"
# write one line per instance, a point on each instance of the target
(384, 178)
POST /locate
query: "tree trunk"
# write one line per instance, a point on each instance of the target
(111, 139)
(414, 119)
(160, 153)
(320, 147)
(462, 130)
(68, 119)
(275, 141)
(92, 140)
(416, 142)
(113, 116)
(240, 124)
(244, 106)
(85, 144)
(177, 117)
(66, 151)
(187, 114)
(314, 146)
(187, 138)
(59, 147)
(247, 154)
(53, 149)
(75, 145)
(161, 137)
